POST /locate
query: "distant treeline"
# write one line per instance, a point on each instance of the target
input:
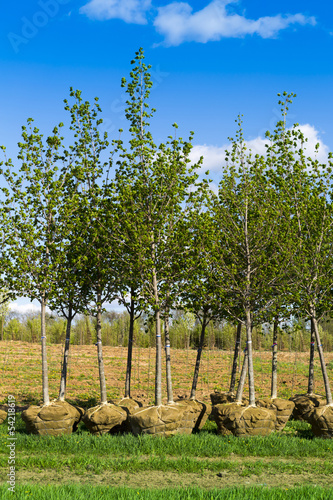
(184, 332)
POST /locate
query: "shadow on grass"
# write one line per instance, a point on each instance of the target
(298, 428)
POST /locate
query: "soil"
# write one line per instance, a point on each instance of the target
(20, 366)
(156, 479)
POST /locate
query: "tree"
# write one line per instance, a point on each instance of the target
(246, 250)
(36, 222)
(155, 187)
(92, 281)
(306, 186)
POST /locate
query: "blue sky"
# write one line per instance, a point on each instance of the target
(211, 60)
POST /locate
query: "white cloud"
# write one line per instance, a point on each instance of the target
(214, 156)
(313, 138)
(25, 308)
(178, 24)
(130, 11)
(115, 306)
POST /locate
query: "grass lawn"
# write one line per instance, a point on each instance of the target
(291, 464)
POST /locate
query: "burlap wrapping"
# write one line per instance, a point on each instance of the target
(3, 416)
(282, 407)
(197, 412)
(107, 418)
(129, 405)
(57, 418)
(321, 420)
(220, 398)
(238, 420)
(305, 404)
(164, 420)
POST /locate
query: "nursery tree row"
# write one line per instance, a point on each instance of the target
(94, 221)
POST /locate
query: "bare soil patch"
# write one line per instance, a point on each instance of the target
(20, 367)
(158, 479)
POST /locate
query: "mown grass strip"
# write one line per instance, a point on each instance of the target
(79, 492)
(83, 463)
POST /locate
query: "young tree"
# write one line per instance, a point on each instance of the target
(246, 251)
(92, 264)
(306, 186)
(36, 222)
(155, 189)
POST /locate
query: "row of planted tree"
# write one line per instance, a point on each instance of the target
(82, 226)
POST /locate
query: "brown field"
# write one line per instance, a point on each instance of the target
(21, 372)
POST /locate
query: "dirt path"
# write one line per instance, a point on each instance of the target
(161, 479)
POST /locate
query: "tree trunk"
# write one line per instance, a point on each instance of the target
(322, 360)
(158, 365)
(63, 380)
(130, 348)
(168, 360)
(99, 351)
(197, 363)
(236, 353)
(46, 399)
(311, 361)
(274, 360)
(242, 379)
(252, 395)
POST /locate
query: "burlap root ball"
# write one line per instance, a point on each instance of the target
(220, 398)
(129, 405)
(106, 418)
(282, 407)
(164, 420)
(244, 421)
(57, 418)
(305, 405)
(3, 416)
(321, 421)
(197, 412)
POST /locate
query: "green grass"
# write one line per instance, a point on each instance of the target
(76, 492)
(87, 463)
(80, 464)
(296, 441)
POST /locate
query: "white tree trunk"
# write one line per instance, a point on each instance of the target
(252, 395)
(168, 361)
(46, 398)
(241, 383)
(311, 360)
(274, 361)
